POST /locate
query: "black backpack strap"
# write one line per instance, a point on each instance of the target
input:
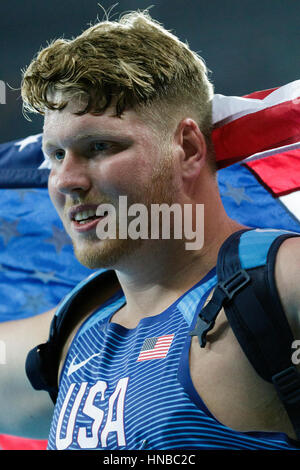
(42, 362)
(246, 289)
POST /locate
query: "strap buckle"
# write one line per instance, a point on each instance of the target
(201, 329)
(234, 283)
(287, 383)
(224, 291)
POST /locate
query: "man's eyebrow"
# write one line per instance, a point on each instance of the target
(100, 134)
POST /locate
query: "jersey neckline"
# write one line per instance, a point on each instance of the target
(149, 320)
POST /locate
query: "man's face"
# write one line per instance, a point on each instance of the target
(96, 159)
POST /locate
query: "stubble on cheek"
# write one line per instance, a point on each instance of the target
(95, 253)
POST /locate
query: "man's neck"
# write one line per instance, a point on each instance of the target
(157, 277)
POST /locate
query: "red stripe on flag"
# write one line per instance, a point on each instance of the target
(8, 442)
(160, 349)
(260, 95)
(266, 129)
(280, 172)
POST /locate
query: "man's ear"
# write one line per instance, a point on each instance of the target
(192, 146)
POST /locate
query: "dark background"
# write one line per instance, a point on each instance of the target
(247, 44)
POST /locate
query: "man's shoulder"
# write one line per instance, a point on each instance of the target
(287, 275)
(85, 299)
(276, 251)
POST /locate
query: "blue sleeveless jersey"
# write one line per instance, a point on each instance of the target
(131, 388)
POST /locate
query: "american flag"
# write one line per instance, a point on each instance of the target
(155, 348)
(261, 131)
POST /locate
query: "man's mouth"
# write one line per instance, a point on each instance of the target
(84, 216)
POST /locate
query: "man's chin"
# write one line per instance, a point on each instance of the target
(107, 254)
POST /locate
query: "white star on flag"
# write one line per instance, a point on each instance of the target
(27, 141)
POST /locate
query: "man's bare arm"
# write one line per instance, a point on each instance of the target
(23, 410)
(287, 274)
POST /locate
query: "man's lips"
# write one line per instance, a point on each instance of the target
(86, 226)
(81, 208)
(88, 221)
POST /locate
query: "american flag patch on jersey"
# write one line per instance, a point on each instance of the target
(155, 348)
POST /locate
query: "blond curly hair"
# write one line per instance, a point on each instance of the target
(133, 63)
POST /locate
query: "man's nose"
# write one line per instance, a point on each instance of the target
(72, 176)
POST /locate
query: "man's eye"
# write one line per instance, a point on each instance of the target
(59, 155)
(100, 146)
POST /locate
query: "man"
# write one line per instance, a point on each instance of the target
(127, 111)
